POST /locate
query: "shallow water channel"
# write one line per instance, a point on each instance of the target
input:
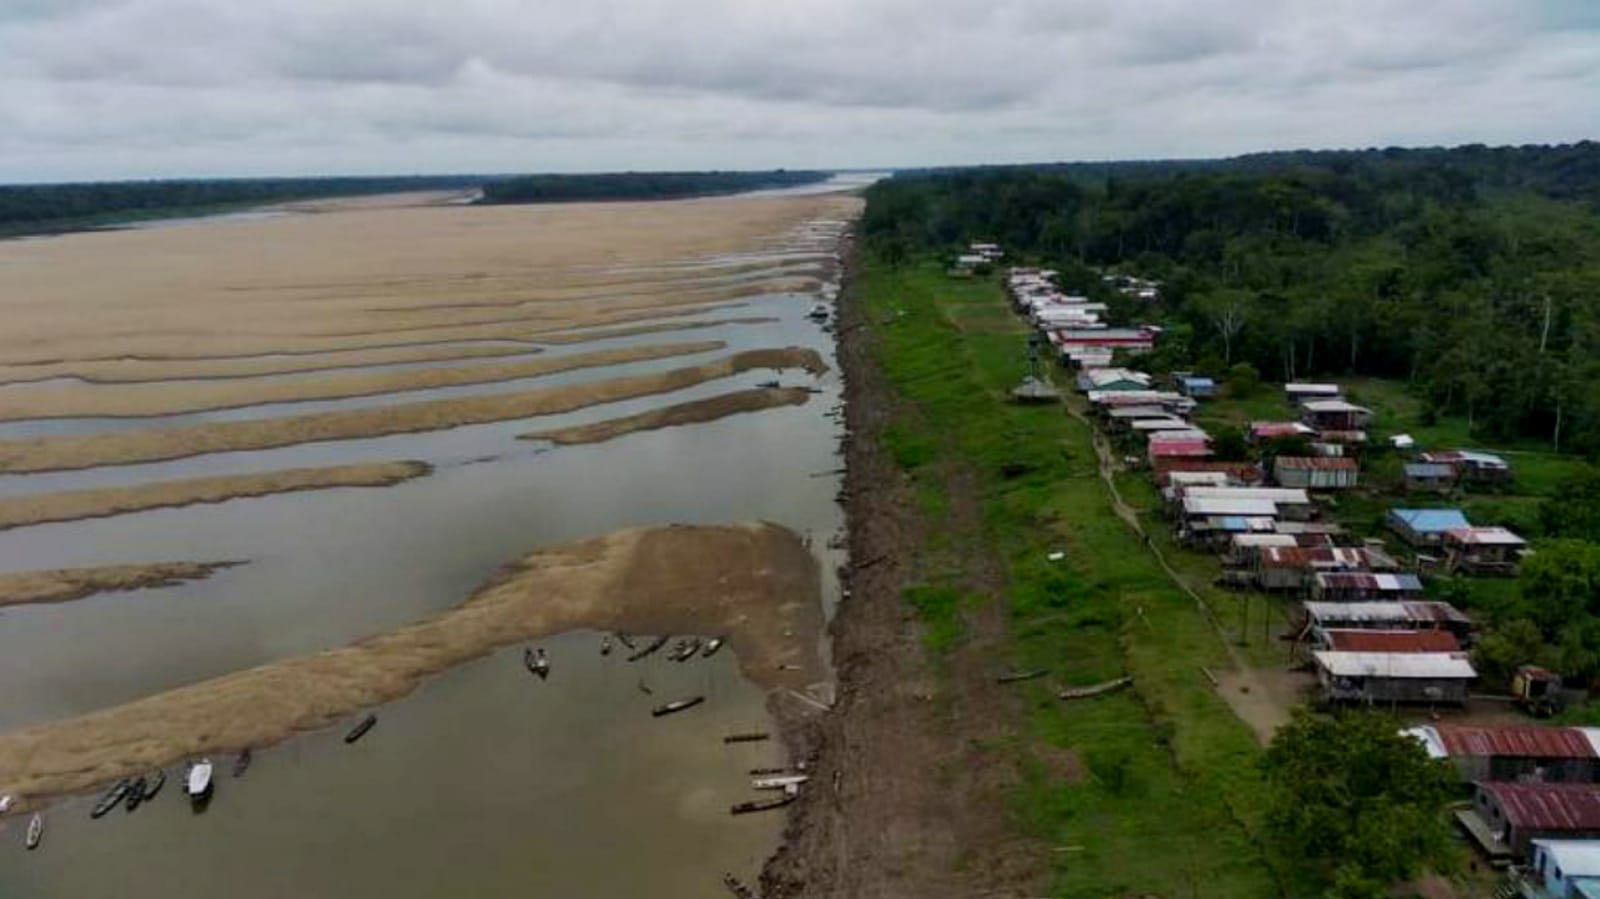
(485, 781)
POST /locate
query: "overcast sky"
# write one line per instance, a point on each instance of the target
(141, 88)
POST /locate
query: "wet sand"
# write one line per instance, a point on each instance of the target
(695, 412)
(756, 584)
(71, 505)
(121, 448)
(137, 400)
(66, 584)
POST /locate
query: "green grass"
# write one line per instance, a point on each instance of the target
(1166, 800)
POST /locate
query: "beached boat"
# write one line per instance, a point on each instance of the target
(711, 647)
(6, 802)
(770, 385)
(818, 313)
(677, 705)
(35, 831)
(136, 793)
(111, 798)
(360, 730)
(762, 805)
(197, 784)
(536, 662)
(242, 763)
(686, 649)
(779, 782)
(153, 783)
(754, 736)
(654, 645)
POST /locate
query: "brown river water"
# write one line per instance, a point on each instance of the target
(485, 781)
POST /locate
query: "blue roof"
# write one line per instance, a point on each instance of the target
(1428, 470)
(1196, 381)
(1431, 521)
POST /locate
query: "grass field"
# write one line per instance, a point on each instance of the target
(1152, 791)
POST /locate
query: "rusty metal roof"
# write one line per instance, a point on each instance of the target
(1314, 556)
(1516, 740)
(1493, 536)
(1339, 463)
(1391, 641)
(1548, 806)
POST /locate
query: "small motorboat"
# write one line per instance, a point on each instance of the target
(197, 784)
(111, 798)
(153, 783)
(242, 763)
(711, 647)
(35, 831)
(818, 313)
(654, 645)
(536, 662)
(136, 793)
(605, 646)
(737, 887)
(6, 802)
(770, 385)
(779, 782)
(360, 730)
(685, 650)
(677, 705)
(625, 640)
(761, 805)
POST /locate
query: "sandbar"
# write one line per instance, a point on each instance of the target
(693, 412)
(66, 584)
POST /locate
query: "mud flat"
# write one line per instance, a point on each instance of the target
(72, 505)
(137, 400)
(755, 584)
(66, 584)
(690, 413)
(127, 447)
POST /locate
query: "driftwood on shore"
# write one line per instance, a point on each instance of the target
(1095, 690)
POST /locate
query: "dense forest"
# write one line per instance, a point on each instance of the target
(1470, 272)
(45, 208)
(639, 185)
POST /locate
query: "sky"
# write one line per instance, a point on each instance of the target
(105, 89)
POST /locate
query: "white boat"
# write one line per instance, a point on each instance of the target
(6, 802)
(818, 312)
(35, 831)
(781, 782)
(198, 783)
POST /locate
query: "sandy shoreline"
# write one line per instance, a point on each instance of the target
(755, 584)
(127, 447)
(66, 584)
(694, 412)
(165, 398)
(72, 505)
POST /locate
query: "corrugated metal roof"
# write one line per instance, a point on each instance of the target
(1575, 858)
(1279, 428)
(1416, 612)
(1520, 741)
(1333, 406)
(1288, 495)
(1484, 537)
(1161, 424)
(1318, 462)
(1227, 505)
(1428, 470)
(1263, 540)
(1366, 580)
(1314, 557)
(1310, 388)
(1431, 521)
(1133, 413)
(1404, 665)
(1548, 806)
(1482, 459)
(1391, 641)
(1428, 737)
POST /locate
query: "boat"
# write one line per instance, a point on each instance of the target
(737, 887)
(711, 647)
(762, 805)
(770, 385)
(605, 646)
(197, 784)
(136, 793)
(780, 782)
(536, 662)
(625, 640)
(654, 645)
(818, 313)
(686, 650)
(677, 705)
(751, 737)
(242, 763)
(6, 802)
(153, 783)
(35, 831)
(110, 798)
(360, 730)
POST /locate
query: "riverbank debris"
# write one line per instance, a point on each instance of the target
(1012, 677)
(677, 705)
(1095, 690)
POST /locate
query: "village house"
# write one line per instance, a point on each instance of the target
(1290, 504)
(1506, 818)
(1293, 568)
(1393, 677)
(1130, 340)
(1196, 386)
(1421, 615)
(1351, 640)
(1271, 430)
(1314, 533)
(1521, 753)
(1364, 586)
(1429, 477)
(1244, 549)
(1425, 528)
(1483, 550)
(1300, 392)
(1335, 416)
(1240, 474)
(1178, 444)
(1315, 473)
(1562, 869)
(1473, 467)
(1112, 379)
(1144, 427)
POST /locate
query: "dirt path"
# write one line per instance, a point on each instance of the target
(1242, 689)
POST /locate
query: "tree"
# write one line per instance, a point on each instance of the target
(1560, 584)
(1574, 509)
(1357, 799)
(1228, 444)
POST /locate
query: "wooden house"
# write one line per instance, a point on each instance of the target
(1429, 477)
(1515, 752)
(1364, 586)
(1393, 677)
(1315, 473)
(1512, 815)
(1472, 466)
(1422, 615)
(1563, 869)
(1298, 393)
(1335, 416)
(1483, 550)
(1425, 528)
(1196, 386)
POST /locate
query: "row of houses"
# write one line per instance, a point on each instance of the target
(1073, 325)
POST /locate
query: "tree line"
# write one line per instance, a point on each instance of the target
(1469, 272)
(640, 185)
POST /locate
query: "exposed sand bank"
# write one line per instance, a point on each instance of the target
(126, 447)
(64, 584)
(70, 505)
(694, 412)
(756, 584)
(134, 400)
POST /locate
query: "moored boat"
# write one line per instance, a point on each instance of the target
(360, 730)
(711, 647)
(654, 645)
(197, 783)
(111, 798)
(605, 646)
(153, 783)
(35, 831)
(761, 805)
(6, 802)
(242, 763)
(685, 650)
(536, 662)
(136, 792)
(677, 705)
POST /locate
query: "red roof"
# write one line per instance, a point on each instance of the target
(1549, 806)
(1332, 463)
(1521, 741)
(1309, 556)
(1392, 641)
(1277, 428)
(1243, 472)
